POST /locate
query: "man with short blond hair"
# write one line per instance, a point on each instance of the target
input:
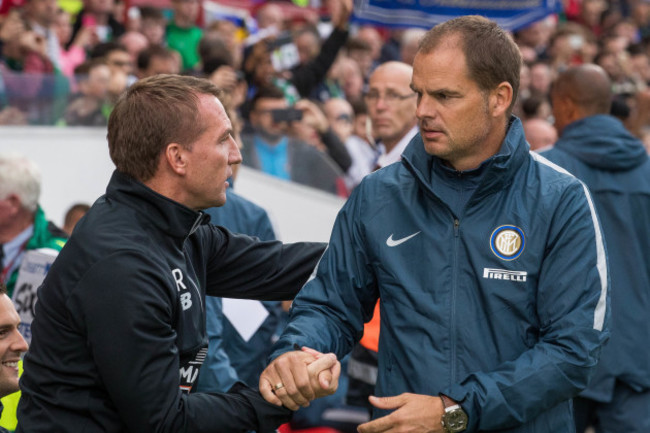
(119, 333)
(489, 262)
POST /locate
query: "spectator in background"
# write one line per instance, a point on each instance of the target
(23, 50)
(228, 33)
(302, 79)
(12, 347)
(157, 60)
(90, 106)
(391, 48)
(23, 228)
(361, 52)
(98, 15)
(371, 36)
(536, 106)
(391, 108)
(134, 42)
(73, 215)
(341, 117)
(40, 16)
(308, 43)
(410, 43)
(362, 127)
(536, 36)
(183, 35)
(117, 58)
(597, 149)
(270, 148)
(152, 24)
(541, 77)
(347, 74)
(269, 16)
(23, 225)
(315, 129)
(75, 55)
(217, 64)
(539, 133)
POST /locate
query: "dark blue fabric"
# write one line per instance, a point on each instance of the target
(513, 351)
(614, 165)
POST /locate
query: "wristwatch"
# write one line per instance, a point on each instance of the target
(454, 420)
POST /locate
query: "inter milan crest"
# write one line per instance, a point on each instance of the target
(507, 242)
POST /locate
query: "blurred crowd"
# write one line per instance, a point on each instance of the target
(295, 80)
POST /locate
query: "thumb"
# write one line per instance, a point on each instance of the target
(386, 402)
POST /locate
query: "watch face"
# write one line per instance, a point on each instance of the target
(455, 421)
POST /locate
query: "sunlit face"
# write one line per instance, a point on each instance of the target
(211, 157)
(452, 111)
(12, 345)
(391, 117)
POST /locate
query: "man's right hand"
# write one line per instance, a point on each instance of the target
(295, 378)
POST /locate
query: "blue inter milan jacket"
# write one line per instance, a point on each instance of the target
(616, 168)
(502, 307)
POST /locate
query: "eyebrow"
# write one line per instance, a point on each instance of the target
(432, 92)
(228, 132)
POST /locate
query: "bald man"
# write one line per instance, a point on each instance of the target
(391, 108)
(540, 134)
(597, 149)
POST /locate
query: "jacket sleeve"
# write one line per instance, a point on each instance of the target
(306, 77)
(329, 312)
(134, 306)
(240, 266)
(573, 312)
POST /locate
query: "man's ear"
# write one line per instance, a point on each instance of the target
(500, 99)
(175, 158)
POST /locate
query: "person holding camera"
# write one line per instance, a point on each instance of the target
(276, 143)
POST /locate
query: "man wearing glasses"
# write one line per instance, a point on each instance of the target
(391, 106)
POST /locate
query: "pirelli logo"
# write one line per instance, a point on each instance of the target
(502, 274)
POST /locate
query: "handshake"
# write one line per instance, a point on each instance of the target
(295, 378)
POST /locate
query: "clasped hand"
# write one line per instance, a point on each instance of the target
(295, 378)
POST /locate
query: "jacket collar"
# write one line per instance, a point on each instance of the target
(500, 169)
(602, 141)
(169, 216)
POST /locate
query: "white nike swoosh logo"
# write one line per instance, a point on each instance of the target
(395, 242)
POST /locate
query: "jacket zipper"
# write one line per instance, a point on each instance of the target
(452, 330)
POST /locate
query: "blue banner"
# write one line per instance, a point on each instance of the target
(509, 14)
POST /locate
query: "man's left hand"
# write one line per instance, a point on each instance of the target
(414, 413)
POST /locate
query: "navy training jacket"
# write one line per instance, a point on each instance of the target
(119, 332)
(616, 168)
(502, 308)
